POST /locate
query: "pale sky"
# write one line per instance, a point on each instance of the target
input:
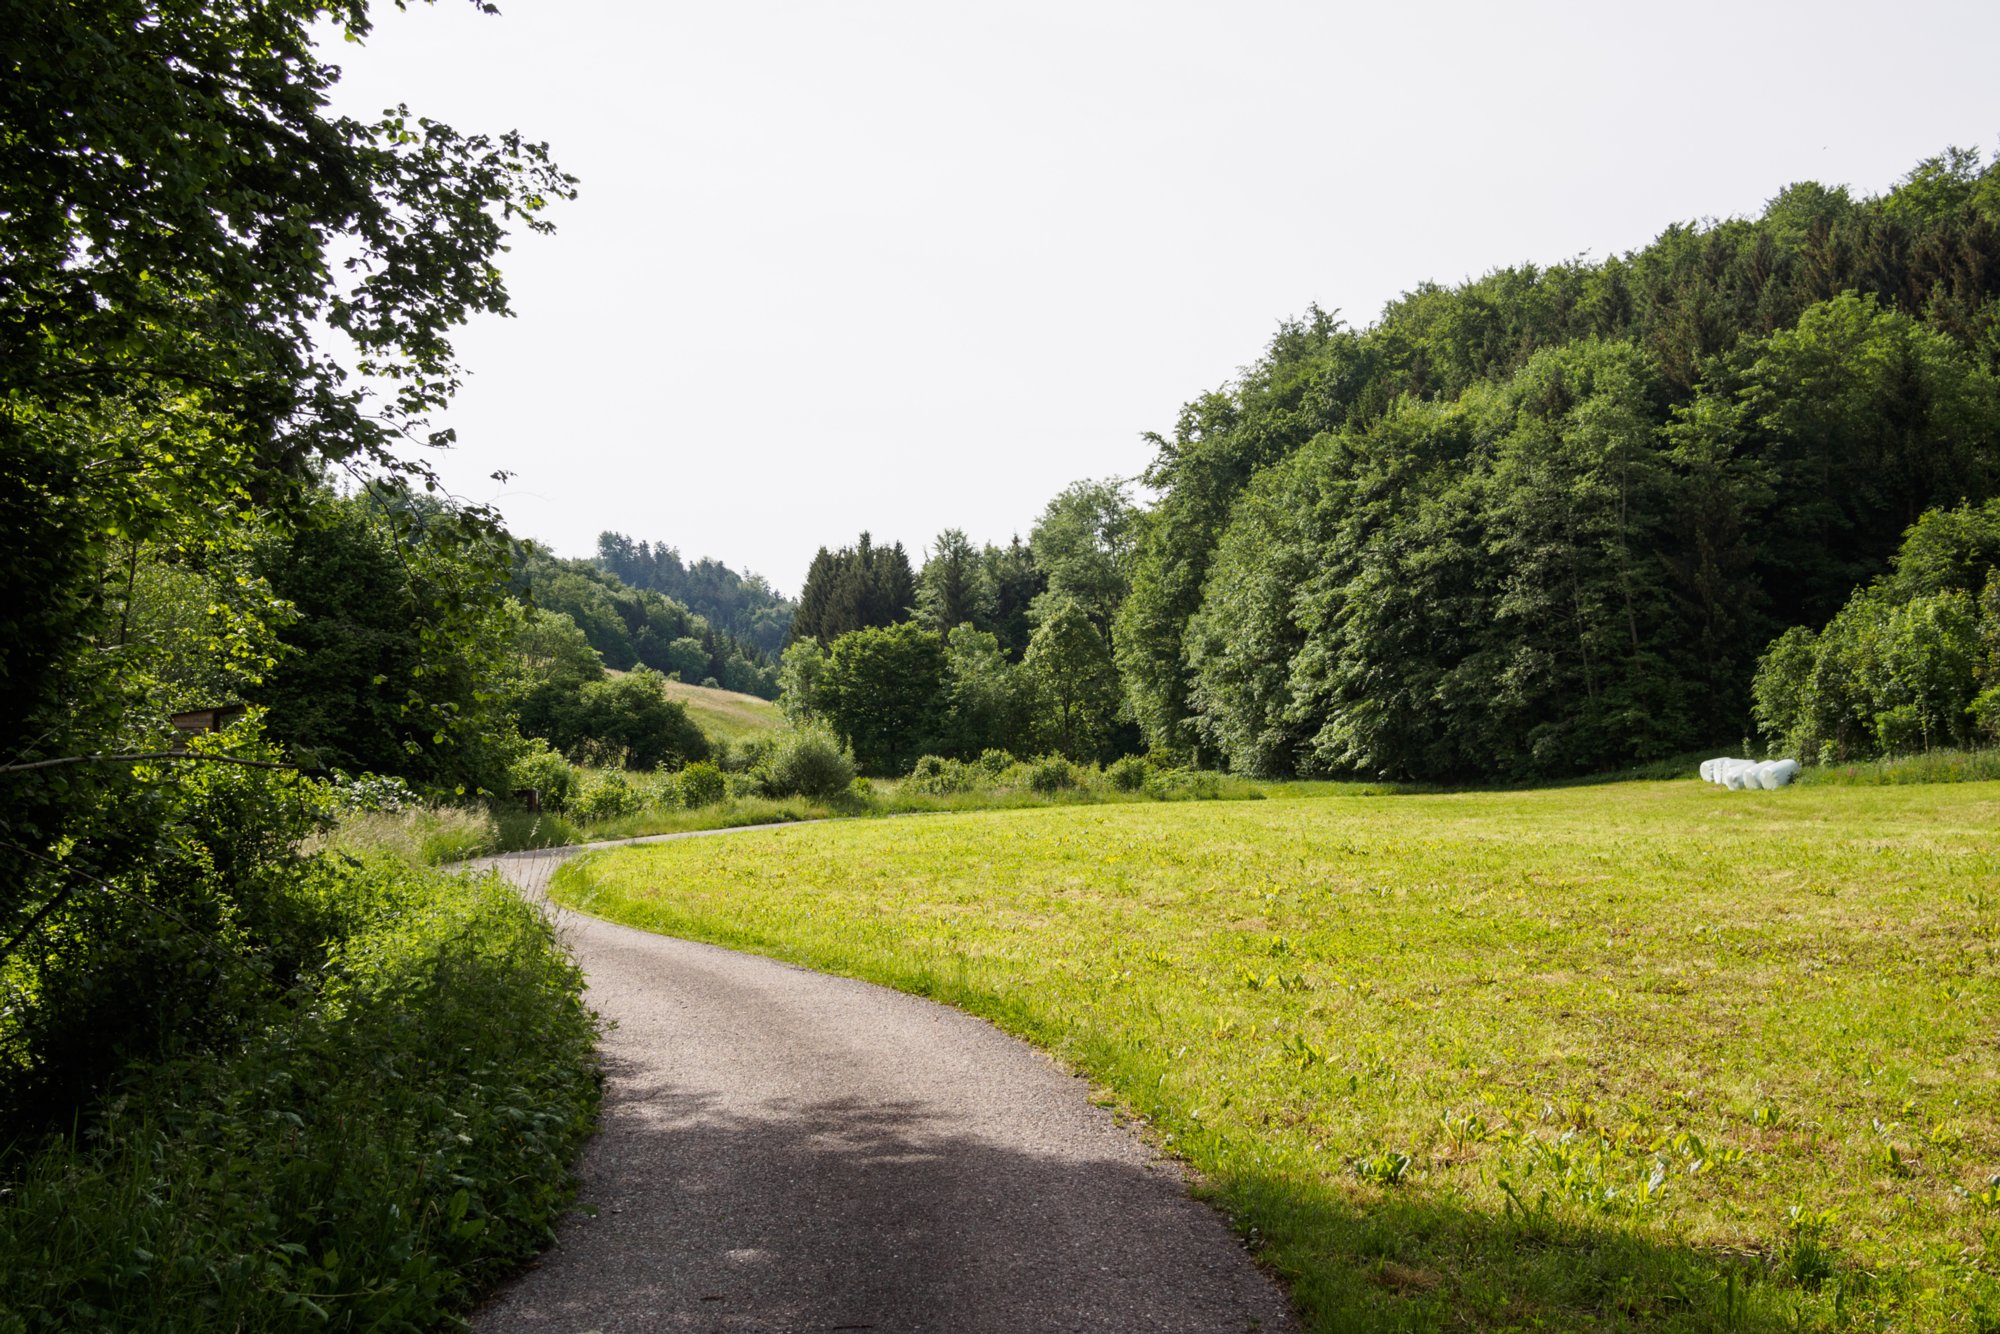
(904, 266)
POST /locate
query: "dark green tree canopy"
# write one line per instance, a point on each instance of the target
(886, 692)
(1545, 521)
(218, 302)
(860, 587)
(742, 605)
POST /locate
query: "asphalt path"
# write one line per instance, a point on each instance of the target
(783, 1150)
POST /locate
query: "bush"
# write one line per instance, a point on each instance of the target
(1183, 785)
(373, 1153)
(549, 775)
(606, 796)
(1910, 664)
(994, 762)
(372, 792)
(1051, 774)
(807, 762)
(702, 784)
(629, 719)
(940, 777)
(1128, 774)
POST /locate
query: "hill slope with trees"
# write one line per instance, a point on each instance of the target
(742, 605)
(1546, 521)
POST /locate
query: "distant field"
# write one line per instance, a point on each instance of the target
(724, 714)
(1640, 1056)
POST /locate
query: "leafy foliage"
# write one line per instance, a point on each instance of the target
(216, 300)
(1069, 667)
(886, 693)
(742, 605)
(806, 762)
(1543, 522)
(390, 658)
(1911, 663)
(631, 627)
(374, 1153)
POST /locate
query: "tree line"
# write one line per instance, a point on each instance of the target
(1542, 523)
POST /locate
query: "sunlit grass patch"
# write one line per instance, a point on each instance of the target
(1646, 1055)
(418, 835)
(725, 714)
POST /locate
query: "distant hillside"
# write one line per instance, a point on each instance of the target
(629, 626)
(745, 605)
(726, 715)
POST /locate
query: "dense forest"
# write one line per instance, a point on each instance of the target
(1546, 521)
(633, 627)
(742, 605)
(1538, 524)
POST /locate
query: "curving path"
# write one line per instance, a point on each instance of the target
(783, 1150)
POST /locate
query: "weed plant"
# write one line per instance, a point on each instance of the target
(1642, 1056)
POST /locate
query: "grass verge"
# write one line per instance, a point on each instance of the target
(372, 1155)
(1640, 1056)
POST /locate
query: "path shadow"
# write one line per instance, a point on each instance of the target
(835, 1215)
(838, 1215)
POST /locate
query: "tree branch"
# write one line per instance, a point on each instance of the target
(146, 757)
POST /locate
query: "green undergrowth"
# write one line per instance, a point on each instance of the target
(1640, 1056)
(1936, 766)
(372, 1153)
(649, 804)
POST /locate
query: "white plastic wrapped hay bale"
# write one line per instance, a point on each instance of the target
(1774, 774)
(1749, 775)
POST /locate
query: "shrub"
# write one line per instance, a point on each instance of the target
(1184, 785)
(994, 762)
(746, 756)
(1050, 774)
(374, 1151)
(702, 784)
(940, 777)
(372, 792)
(606, 796)
(807, 762)
(630, 719)
(548, 774)
(1911, 663)
(1128, 774)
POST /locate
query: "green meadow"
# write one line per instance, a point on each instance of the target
(1638, 1056)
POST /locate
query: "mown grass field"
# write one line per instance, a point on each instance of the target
(1639, 1056)
(726, 715)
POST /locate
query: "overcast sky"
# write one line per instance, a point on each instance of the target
(906, 266)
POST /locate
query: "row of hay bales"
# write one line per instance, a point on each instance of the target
(1750, 775)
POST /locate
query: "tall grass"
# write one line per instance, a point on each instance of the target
(416, 835)
(1934, 766)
